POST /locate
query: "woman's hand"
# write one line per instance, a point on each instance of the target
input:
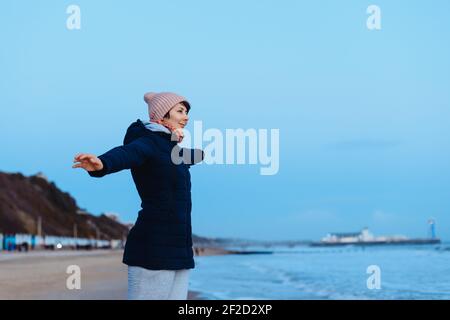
(88, 162)
(178, 132)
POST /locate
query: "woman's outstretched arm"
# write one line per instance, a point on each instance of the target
(116, 159)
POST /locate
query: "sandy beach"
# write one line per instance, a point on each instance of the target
(43, 275)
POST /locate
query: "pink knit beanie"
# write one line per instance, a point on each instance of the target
(160, 103)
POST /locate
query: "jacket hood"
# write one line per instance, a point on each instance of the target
(153, 126)
(138, 129)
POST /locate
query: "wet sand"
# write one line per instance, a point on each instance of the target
(43, 275)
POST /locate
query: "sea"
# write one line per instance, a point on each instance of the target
(393, 272)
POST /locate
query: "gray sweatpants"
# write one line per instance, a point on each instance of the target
(144, 284)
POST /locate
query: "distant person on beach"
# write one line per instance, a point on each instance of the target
(158, 249)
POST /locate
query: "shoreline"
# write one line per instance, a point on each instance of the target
(43, 275)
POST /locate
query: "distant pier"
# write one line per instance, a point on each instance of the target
(374, 243)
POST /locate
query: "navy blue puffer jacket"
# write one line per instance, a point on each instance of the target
(161, 238)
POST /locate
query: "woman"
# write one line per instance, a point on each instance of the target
(158, 250)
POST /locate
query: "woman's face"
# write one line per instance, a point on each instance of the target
(178, 117)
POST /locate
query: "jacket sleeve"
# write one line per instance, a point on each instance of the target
(125, 157)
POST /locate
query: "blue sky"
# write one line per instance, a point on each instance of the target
(363, 114)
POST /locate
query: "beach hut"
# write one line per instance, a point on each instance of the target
(10, 242)
(33, 241)
(23, 242)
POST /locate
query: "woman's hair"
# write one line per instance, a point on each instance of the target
(167, 115)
